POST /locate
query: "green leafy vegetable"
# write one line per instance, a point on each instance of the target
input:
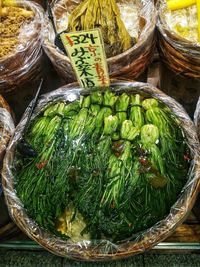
(116, 161)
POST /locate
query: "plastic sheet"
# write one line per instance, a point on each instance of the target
(129, 64)
(102, 250)
(181, 54)
(6, 129)
(197, 118)
(22, 61)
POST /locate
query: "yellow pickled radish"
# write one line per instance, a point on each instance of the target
(178, 4)
(198, 13)
(9, 2)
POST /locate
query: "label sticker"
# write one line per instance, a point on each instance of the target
(86, 52)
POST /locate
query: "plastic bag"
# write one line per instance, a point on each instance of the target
(6, 129)
(180, 54)
(102, 249)
(197, 118)
(129, 64)
(22, 61)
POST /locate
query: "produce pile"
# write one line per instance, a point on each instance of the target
(183, 17)
(108, 165)
(13, 21)
(104, 14)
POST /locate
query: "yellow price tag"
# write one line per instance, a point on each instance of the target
(86, 52)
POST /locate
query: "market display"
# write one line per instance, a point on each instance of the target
(109, 167)
(20, 46)
(127, 28)
(179, 36)
(98, 173)
(107, 157)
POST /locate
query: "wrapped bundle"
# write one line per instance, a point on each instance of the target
(127, 28)
(20, 46)
(179, 36)
(117, 171)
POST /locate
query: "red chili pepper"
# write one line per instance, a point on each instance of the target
(41, 165)
(143, 161)
(186, 157)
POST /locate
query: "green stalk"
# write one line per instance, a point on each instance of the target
(136, 113)
(168, 129)
(120, 166)
(121, 107)
(154, 162)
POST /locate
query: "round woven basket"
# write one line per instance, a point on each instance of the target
(104, 250)
(129, 64)
(181, 55)
(24, 65)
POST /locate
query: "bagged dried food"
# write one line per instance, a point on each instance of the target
(127, 28)
(20, 43)
(116, 171)
(6, 129)
(179, 36)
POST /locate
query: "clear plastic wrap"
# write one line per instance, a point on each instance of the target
(197, 118)
(6, 129)
(102, 250)
(22, 61)
(130, 63)
(181, 54)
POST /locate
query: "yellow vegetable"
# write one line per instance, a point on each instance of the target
(198, 13)
(178, 4)
(104, 14)
(5, 11)
(9, 2)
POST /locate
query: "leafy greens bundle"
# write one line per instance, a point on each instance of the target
(112, 163)
(103, 14)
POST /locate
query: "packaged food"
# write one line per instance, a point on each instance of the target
(116, 171)
(20, 46)
(179, 36)
(128, 33)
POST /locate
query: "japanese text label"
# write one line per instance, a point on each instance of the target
(86, 52)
